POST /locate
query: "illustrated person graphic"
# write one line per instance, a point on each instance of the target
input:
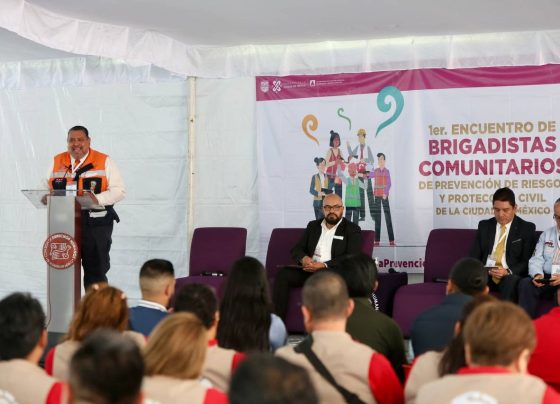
(334, 160)
(352, 192)
(363, 154)
(381, 187)
(318, 187)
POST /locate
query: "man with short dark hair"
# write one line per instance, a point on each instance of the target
(505, 244)
(107, 368)
(23, 339)
(220, 363)
(544, 268)
(82, 168)
(365, 324)
(356, 369)
(266, 379)
(434, 328)
(325, 242)
(499, 339)
(157, 283)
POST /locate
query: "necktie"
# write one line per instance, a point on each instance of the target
(500, 248)
(76, 162)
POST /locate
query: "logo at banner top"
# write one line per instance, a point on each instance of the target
(60, 251)
(339, 112)
(308, 123)
(276, 86)
(265, 85)
(312, 83)
(383, 106)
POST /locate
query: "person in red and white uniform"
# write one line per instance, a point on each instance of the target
(174, 358)
(22, 341)
(353, 366)
(220, 362)
(499, 338)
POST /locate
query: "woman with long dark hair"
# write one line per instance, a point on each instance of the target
(246, 319)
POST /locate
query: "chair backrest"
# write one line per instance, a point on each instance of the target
(368, 239)
(279, 246)
(215, 249)
(444, 248)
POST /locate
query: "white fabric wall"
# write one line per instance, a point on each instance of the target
(225, 192)
(138, 116)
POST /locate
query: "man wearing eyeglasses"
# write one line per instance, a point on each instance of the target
(505, 243)
(325, 242)
(544, 268)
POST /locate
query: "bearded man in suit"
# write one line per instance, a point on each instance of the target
(324, 244)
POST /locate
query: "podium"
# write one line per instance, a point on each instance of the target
(62, 251)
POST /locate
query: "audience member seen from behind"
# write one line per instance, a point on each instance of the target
(22, 340)
(546, 356)
(101, 307)
(246, 319)
(174, 357)
(107, 368)
(365, 324)
(433, 329)
(499, 338)
(544, 268)
(505, 244)
(266, 379)
(354, 366)
(433, 365)
(220, 362)
(157, 283)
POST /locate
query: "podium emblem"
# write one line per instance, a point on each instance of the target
(60, 250)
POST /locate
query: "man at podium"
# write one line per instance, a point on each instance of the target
(82, 168)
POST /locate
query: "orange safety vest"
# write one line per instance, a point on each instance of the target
(62, 168)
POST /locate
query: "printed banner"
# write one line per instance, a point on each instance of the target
(408, 151)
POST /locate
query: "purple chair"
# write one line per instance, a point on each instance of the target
(443, 249)
(213, 252)
(278, 254)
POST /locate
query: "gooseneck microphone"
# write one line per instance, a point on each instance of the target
(60, 183)
(82, 170)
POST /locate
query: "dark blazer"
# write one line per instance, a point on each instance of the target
(519, 246)
(433, 329)
(350, 242)
(144, 319)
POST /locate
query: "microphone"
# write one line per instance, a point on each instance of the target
(60, 183)
(82, 170)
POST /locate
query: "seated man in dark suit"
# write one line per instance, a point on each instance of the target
(505, 243)
(434, 328)
(325, 242)
(157, 282)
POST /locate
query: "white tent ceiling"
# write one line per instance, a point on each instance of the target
(219, 38)
(257, 22)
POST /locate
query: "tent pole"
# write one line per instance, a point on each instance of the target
(191, 159)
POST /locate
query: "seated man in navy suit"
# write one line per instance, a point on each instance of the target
(325, 242)
(157, 283)
(505, 244)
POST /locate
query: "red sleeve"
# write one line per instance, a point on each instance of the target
(237, 359)
(49, 361)
(214, 396)
(55, 393)
(550, 396)
(384, 383)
